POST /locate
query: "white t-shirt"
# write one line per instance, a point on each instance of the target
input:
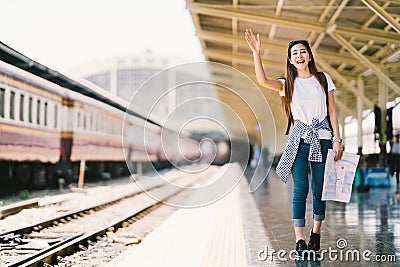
(309, 102)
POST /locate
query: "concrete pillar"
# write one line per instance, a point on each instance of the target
(81, 178)
(383, 91)
(360, 87)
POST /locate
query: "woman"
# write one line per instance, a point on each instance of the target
(304, 100)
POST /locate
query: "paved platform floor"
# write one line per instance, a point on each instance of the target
(254, 229)
(370, 222)
(226, 232)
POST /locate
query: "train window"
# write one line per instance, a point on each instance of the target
(78, 120)
(95, 123)
(2, 96)
(101, 124)
(84, 121)
(55, 116)
(45, 113)
(98, 123)
(38, 112)
(91, 122)
(105, 127)
(21, 107)
(12, 105)
(30, 107)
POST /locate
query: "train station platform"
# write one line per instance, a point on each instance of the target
(244, 229)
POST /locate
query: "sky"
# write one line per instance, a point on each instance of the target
(63, 34)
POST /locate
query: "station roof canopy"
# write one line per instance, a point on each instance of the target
(356, 42)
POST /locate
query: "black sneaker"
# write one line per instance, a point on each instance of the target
(314, 243)
(301, 246)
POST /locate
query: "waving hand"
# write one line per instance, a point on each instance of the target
(253, 42)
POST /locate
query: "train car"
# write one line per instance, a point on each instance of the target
(177, 149)
(141, 142)
(30, 129)
(91, 133)
(215, 148)
(46, 130)
(50, 123)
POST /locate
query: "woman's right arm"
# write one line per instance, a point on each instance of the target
(255, 46)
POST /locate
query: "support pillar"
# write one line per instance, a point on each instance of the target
(360, 88)
(81, 178)
(383, 91)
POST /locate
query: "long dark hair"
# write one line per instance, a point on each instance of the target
(291, 74)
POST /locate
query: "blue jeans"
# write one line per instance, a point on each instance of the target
(300, 183)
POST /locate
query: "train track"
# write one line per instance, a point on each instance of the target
(36, 202)
(62, 242)
(17, 207)
(68, 215)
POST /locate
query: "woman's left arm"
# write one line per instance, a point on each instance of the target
(337, 146)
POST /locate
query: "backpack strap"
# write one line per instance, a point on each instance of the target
(324, 82)
(289, 123)
(322, 78)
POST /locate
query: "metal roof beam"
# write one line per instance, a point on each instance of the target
(382, 14)
(244, 59)
(366, 62)
(231, 39)
(223, 55)
(392, 1)
(257, 17)
(332, 20)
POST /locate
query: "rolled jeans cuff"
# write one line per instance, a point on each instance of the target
(317, 217)
(299, 222)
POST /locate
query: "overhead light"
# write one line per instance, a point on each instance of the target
(331, 28)
(395, 57)
(368, 72)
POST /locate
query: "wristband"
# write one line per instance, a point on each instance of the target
(338, 140)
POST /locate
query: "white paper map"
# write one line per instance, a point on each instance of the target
(339, 176)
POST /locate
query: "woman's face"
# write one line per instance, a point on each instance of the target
(299, 56)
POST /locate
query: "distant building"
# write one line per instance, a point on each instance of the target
(124, 76)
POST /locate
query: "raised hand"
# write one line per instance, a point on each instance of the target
(253, 42)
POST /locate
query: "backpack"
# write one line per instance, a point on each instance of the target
(324, 82)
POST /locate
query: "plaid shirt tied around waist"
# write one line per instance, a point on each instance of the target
(285, 163)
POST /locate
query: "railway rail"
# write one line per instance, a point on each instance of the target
(45, 242)
(17, 207)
